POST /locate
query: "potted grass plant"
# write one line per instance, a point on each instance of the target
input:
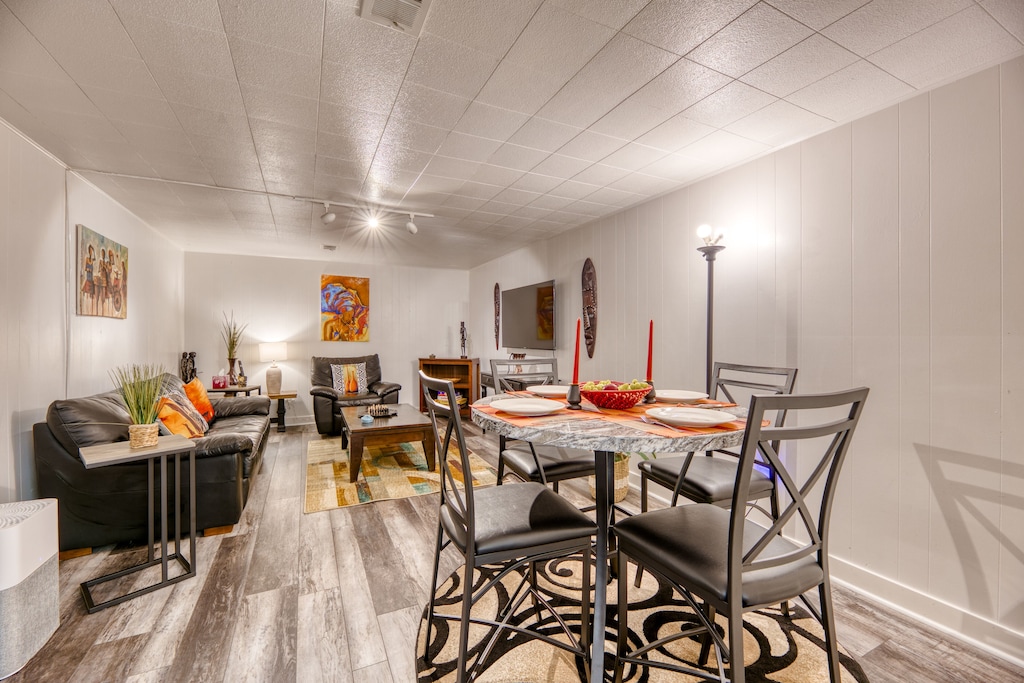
(139, 386)
(231, 333)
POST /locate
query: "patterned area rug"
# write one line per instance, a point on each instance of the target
(387, 472)
(777, 649)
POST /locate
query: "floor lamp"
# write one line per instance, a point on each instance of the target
(709, 250)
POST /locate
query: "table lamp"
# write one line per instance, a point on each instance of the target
(272, 352)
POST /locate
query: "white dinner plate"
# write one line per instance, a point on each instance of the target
(553, 390)
(526, 406)
(690, 417)
(678, 395)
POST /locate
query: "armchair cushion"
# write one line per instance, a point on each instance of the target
(349, 378)
(330, 397)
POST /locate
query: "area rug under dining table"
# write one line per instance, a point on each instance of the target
(777, 649)
(387, 472)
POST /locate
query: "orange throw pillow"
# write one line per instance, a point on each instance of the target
(196, 393)
(177, 418)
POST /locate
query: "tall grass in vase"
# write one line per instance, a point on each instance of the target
(231, 333)
(139, 386)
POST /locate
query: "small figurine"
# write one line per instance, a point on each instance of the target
(241, 375)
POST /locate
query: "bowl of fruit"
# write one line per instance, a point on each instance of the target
(618, 395)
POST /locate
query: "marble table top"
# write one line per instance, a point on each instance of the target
(603, 435)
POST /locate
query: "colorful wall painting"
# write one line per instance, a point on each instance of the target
(344, 308)
(102, 275)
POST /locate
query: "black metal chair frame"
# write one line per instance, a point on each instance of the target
(745, 554)
(458, 502)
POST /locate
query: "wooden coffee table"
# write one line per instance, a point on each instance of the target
(408, 425)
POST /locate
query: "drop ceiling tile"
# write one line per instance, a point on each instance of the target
(643, 185)
(678, 167)
(845, 94)
(355, 149)
(547, 203)
(496, 175)
(448, 167)
(560, 166)
(146, 137)
(232, 129)
(128, 74)
(623, 66)
(499, 208)
(1009, 13)
(681, 26)
(780, 123)
(435, 184)
(202, 92)
(339, 168)
(585, 208)
(363, 82)
(287, 24)
(413, 135)
(271, 136)
(600, 174)
(677, 132)
(633, 156)
(457, 201)
(516, 87)
(425, 105)
(274, 105)
(193, 51)
(538, 211)
(799, 66)
(514, 222)
(630, 119)
(679, 86)
(272, 68)
(469, 147)
(487, 27)
(574, 189)
(884, 22)
(756, 36)
(517, 157)
(535, 182)
(517, 197)
(204, 14)
(395, 158)
(545, 135)
(338, 189)
(612, 13)
(966, 40)
(558, 42)
(119, 106)
(815, 13)
(591, 146)
(732, 102)
(342, 119)
(449, 67)
(724, 148)
(479, 190)
(490, 122)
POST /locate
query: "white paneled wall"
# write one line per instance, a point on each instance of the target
(48, 351)
(414, 312)
(888, 252)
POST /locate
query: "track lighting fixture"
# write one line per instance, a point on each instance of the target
(411, 226)
(329, 215)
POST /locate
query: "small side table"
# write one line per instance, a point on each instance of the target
(234, 390)
(119, 452)
(280, 406)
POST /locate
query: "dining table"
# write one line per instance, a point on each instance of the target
(607, 431)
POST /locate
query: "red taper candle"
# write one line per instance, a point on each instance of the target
(576, 362)
(650, 351)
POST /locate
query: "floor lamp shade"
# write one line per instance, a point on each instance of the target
(273, 352)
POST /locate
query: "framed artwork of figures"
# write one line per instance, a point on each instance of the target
(344, 308)
(102, 275)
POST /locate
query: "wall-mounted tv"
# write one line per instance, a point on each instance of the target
(528, 317)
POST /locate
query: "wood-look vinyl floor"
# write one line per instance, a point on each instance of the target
(337, 596)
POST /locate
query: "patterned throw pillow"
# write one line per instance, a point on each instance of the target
(350, 378)
(196, 393)
(181, 419)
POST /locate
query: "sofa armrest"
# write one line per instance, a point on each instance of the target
(383, 389)
(222, 444)
(327, 392)
(224, 406)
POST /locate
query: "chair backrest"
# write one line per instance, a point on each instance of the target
(528, 370)
(737, 383)
(826, 426)
(320, 374)
(447, 423)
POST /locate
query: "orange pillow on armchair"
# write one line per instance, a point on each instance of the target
(196, 393)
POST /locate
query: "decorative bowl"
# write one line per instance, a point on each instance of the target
(618, 400)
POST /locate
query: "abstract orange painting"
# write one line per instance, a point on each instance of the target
(344, 308)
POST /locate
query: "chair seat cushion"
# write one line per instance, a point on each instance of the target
(517, 517)
(708, 480)
(558, 463)
(689, 543)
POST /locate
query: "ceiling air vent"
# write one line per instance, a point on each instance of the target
(404, 15)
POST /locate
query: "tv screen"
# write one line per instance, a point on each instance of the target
(528, 316)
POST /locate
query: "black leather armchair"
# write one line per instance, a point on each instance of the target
(328, 401)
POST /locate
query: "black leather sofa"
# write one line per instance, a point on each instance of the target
(108, 504)
(328, 401)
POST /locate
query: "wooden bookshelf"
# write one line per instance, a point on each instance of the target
(464, 374)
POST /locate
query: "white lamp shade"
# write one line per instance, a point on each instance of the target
(273, 351)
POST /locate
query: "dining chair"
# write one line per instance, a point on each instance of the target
(543, 464)
(733, 565)
(513, 526)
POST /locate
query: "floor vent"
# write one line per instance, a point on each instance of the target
(404, 15)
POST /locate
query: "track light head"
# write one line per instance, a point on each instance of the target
(410, 226)
(328, 216)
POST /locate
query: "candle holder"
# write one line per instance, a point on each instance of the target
(574, 397)
(650, 397)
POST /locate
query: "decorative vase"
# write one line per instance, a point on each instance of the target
(232, 376)
(143, 436)
(621, 470)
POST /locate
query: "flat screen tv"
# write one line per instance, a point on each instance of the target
(528, 317)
